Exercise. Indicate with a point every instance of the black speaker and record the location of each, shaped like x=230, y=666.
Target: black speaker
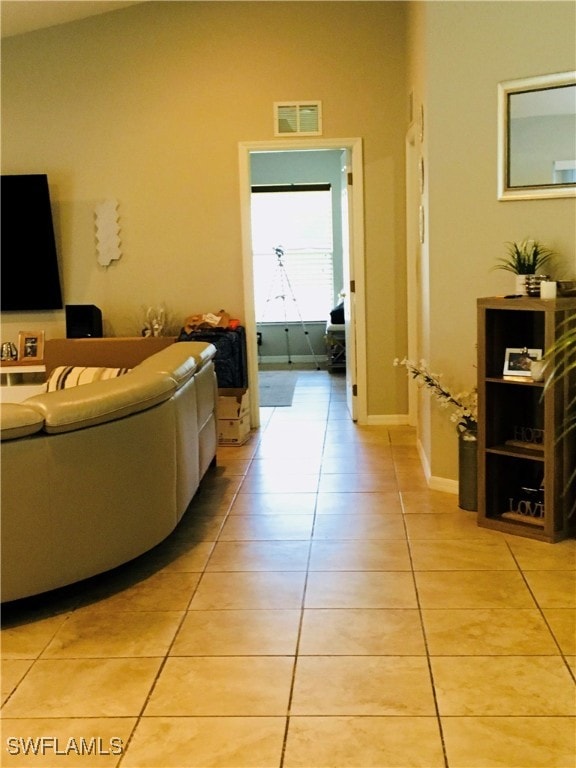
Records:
x=83, y=321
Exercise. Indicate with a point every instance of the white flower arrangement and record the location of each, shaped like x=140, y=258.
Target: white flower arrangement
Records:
x=464, y=405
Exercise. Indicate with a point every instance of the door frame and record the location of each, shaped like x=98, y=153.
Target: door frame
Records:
x=356, y=265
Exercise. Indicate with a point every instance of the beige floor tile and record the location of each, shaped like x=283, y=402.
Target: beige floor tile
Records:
x=83, y=688
x=536, y=556
x=410, y=480
x=358, y=483
x=206, y=742
x=362, y=693
x=354, y=526
x=12, y=672
x=233, y=467
x=487, y=632
x=380, y=462
x=373, y=436
x=160, y=591
x=285, y=437
x=84, y=742
x=404, y=453
x=472, y=589
x=296, y=448
x=222, y=686
x=226, y=453
x=267, y=527
x=360, y=589
x=281, y=483
x=432, y=502
x=238, y=633
x=208, y=503
x=510, y=686
x=185, y=556
x=212, y=501
x=274, y=467
x=250, y=590
x=361, y=631
x=369, y=742
x=215, y=483
x=402, y=436
x=259, y=556
x=359, y=503
x=354, y=555
x=553, y=589
x=362, y=685
x=445, y=526
x=202, y=523
x=562, y=622
x=406, y=460
x=102, y=634
x=509, y=742
x=347, y=446
x=28, y=639
x=461, y=555
x=349, y=432
x=274, y=504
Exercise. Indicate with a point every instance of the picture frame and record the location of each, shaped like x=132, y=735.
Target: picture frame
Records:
x=517, y=361
x=30, y=346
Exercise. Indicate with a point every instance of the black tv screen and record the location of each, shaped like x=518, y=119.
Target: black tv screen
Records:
x=30, y=278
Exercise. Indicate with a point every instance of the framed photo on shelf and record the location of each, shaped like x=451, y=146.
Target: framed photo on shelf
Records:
x=31, y=346
x=517, y=361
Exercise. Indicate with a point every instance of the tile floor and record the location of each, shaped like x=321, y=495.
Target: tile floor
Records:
x=318, y=607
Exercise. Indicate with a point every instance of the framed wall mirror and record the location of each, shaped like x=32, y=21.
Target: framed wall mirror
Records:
x=537, y=137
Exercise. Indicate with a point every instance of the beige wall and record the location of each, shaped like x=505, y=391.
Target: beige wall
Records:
x=147, y=105
x=464, y=49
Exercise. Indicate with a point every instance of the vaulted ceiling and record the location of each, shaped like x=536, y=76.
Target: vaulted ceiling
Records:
x=20, y=16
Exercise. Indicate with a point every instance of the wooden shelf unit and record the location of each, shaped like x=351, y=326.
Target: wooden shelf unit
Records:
x=513, y=411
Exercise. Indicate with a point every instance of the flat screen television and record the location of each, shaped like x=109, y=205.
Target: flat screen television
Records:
x=30, y=278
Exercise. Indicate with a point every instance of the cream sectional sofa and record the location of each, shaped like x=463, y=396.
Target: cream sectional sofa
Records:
x=95, y=475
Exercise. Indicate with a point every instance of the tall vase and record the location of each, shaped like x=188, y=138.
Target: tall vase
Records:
x=468, y=470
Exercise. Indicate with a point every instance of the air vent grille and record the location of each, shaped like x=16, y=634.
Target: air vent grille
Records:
x=303, y=118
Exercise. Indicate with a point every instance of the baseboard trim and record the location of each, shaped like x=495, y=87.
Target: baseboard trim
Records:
x=391, y=420
x=275, y=359
x=424, y=461
x=443, y=484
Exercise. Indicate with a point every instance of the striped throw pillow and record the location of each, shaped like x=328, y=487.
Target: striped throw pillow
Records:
x=66, y=376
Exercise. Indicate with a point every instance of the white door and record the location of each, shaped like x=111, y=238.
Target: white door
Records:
x=349, y=288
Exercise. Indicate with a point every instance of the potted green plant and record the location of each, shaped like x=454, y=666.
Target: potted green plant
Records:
x=527, y=257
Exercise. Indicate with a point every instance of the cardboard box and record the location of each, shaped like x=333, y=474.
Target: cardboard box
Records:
x=234, y=431
x=233, y=403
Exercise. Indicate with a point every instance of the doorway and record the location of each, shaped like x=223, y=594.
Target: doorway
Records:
x=350, y=170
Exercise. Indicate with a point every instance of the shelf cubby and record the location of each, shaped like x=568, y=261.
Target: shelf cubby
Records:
x=524, y=461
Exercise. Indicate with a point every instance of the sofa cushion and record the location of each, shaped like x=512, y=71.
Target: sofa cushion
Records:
x=101, y=401
x=66, y=376
x=19, y=420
